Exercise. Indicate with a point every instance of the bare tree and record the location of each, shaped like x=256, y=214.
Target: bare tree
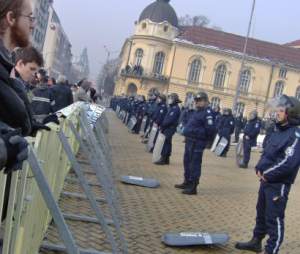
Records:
x=199, y=20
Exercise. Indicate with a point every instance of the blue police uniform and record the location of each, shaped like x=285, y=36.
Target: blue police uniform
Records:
x=279, y=165
x=252, y=130
x=199, y=129
x=159, y=115
x=226, y=129
x=139, y=116
x=168, y=128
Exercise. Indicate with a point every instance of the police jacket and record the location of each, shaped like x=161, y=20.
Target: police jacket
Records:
x=252, y=130
x=160, y=113
x=170, y=122
x=43, y=100
x=226, y=126
x=62, y=95
x=239, y=123
x=186, y=115
x=200, y=127
x=13, y=111
x=151, y=109
x=280, y=160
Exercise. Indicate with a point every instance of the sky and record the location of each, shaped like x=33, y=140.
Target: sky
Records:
x=98, y=23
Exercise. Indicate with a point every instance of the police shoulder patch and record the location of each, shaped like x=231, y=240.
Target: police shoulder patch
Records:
x=257, y=125
x=290, y=151
x=297, y=133
x=172, y=113
x=161, y=111
x=209, y=111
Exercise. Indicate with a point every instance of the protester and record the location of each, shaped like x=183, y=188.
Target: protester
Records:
x=82, y=92
x=62, y=94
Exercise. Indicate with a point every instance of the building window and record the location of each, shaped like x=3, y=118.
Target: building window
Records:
x=282, y=73
x=159, y=63
x=240, y=108
x=298, y=93
x=220, y=76
x=279, y=87
x=139, y=57
x=194, y=72
x=144, y=25
x=166, y=28
x=245, y=81
x=215, y=102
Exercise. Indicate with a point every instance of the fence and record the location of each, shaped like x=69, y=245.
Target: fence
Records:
x=34, y=191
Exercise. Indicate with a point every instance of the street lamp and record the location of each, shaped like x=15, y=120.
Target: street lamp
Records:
x=237, y=94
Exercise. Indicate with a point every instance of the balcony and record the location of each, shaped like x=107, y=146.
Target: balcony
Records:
x=138, y=73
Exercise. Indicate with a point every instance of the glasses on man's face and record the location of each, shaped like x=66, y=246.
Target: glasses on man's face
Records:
x=30, y=17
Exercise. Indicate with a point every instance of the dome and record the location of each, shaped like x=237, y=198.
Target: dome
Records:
x=160, y=11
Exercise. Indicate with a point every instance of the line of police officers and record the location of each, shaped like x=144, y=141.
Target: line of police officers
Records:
x=198, y=123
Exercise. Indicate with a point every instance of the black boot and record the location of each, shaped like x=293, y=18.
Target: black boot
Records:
x=191, y=189
x=253, y=245
x=182, y=186
x=168, y=160
x=162, y=161
x=243, y=165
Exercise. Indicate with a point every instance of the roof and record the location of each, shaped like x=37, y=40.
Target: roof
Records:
x=293, y=44
x=160, y=11
x=256, y=48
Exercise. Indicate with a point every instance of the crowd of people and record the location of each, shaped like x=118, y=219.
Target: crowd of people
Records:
x=201, y=125
x=29, y=98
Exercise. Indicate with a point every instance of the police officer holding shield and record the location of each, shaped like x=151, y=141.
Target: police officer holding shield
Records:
x=168, y=128
x=277, y=170
x=251, y=131
x=199, y=129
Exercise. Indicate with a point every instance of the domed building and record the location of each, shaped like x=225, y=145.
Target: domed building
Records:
x=163, y=55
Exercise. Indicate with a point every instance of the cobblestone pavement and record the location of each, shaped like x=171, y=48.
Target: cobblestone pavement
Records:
x=225, y=202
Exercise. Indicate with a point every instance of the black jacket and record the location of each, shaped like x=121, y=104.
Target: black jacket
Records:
x=43, y=100
x=13, y=110
x=63, y=96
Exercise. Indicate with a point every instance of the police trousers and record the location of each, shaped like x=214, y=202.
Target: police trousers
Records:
x=271, y=204
x=192, y=162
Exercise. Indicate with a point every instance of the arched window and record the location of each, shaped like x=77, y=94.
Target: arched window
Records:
x=245, y=81
x=139, y=53
x=220, y=76
x=240, y=108
x=278, y=89
x=215, y=102
x=298, y=93
x=159, y=63
x=194, y=72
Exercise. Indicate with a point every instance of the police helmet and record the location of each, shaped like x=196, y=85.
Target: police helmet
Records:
x=201, y=96
x=174, y=98
x=162, y=97
x=227, y=111
x=292, y=106
x=253, y=115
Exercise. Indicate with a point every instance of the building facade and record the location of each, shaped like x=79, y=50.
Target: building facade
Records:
x=41, y=10
x=57, y=49
x=164, y=56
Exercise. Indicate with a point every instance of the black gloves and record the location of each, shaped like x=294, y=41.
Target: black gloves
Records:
x=39, y=126
x=51, y=119
x=17, y=150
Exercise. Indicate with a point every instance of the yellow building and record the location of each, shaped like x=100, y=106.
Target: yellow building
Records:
x=164, y=56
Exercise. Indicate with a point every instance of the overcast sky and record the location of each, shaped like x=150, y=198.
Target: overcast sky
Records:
x=95, y=23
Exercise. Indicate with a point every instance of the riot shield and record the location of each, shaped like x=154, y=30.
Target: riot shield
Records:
x=140, y=181
x=152, y=136
x=240, y=153
x=194, y=238
x=221, y=146
x=160, y=141
x=132, y=123
x=215, y=143
x=144, y=121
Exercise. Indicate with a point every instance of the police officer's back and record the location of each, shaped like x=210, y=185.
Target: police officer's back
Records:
x=62, y=94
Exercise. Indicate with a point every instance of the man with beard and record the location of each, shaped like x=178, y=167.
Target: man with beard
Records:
x=16, y=23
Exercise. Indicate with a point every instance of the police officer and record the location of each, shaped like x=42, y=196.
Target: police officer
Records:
x=168, y=128
x=139, y=113
x=226, y=128
x=251, y=131
x=277, y=170
x=199, y=129
x=151, y=109
x=187, y=111
x=43, y=100
x=239, y=125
